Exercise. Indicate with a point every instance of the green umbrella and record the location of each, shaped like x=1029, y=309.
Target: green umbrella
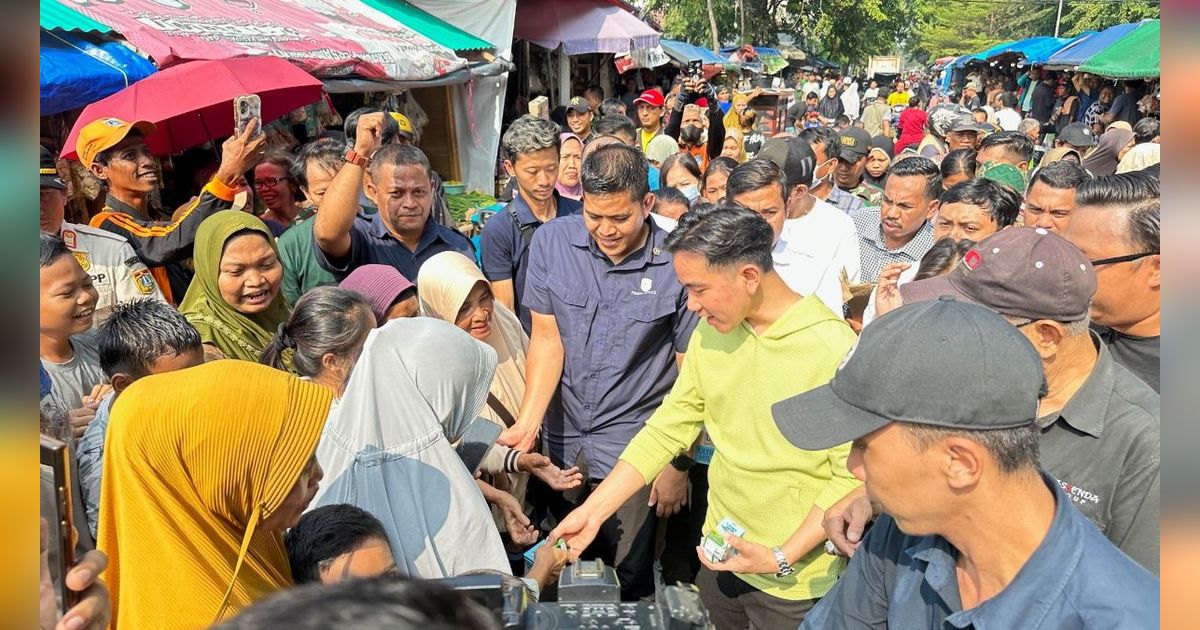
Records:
x=1134, y=56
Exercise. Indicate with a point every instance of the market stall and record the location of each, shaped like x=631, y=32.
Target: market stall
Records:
x=1134, y=56
x=1080, y=50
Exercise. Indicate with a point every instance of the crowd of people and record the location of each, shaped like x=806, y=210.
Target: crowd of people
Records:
x=909, y=345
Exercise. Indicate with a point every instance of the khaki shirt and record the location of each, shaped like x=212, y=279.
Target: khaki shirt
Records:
x=116, y=271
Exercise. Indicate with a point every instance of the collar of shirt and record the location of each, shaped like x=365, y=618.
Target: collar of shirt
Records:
x=1038, y=584
x=843, y=200
x=807, y=311
x=651, y=253
x=116, y=205
x=525, y=213
x=915, y=248
x=1088, y=408
x=380, y=231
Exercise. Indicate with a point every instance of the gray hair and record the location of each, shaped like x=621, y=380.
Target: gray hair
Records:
x=1015, y=450
x=1029, y=124
x=398, y=155
x=726, y=235
x=1072, y=329
x=325, y=320
x=529, y=133
x=326, y=152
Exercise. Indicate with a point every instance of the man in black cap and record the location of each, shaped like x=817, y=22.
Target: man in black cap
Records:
x=109, y=260
x=579, y=118
x=1078, y=136
x=852, y=165
x=963, y=133
x=975, y=534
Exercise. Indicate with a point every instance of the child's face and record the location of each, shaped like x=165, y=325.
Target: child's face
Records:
x=68, y=299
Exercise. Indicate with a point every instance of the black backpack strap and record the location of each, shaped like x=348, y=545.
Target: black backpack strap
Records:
x=526, y=230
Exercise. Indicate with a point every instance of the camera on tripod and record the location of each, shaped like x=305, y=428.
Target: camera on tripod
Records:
x=589, y=596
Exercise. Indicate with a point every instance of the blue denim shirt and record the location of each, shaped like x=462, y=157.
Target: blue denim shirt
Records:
x=1075, y=579
x=505, y=254
x=91, y=460
x=372, y=243
x=620, y=325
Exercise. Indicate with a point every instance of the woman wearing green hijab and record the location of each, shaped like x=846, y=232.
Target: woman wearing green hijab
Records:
x=234, y=299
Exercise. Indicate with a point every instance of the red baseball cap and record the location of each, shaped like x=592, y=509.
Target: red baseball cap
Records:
x=653, y=98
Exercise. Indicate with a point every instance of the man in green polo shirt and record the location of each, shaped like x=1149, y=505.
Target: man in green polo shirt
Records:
x=758, y=342
x=313, y=168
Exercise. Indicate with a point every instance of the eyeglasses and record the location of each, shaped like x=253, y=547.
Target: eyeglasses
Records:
x=269, y=182
x=1121, y=259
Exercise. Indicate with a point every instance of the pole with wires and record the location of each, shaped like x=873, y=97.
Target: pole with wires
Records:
x=1058, y=18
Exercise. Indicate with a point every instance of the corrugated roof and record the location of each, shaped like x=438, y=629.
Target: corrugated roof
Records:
x=56, y=16
x=434, y=28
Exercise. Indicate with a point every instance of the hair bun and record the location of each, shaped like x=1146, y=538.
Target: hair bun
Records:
x=284, y=337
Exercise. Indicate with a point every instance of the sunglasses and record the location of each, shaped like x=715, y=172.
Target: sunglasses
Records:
x=1121, y=259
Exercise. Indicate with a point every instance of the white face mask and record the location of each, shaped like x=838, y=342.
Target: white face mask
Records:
x=691, y=192
x=819, y=181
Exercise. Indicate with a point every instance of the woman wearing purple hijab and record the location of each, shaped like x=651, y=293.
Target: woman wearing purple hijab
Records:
x=390, y=294
x=570, y=163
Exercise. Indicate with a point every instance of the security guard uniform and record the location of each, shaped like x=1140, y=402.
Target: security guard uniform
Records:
x=116, y=271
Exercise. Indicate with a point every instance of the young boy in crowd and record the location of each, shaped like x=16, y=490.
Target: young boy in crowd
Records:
x=67, y=303
x=138, y=339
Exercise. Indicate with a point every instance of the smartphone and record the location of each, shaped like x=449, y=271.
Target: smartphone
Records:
x=56, y=457
x=246, y=108
x=696, y=70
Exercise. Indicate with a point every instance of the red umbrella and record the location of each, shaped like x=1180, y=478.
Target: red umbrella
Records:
x=192, y=103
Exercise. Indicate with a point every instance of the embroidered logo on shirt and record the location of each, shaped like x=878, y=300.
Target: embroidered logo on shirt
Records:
x=144, y=281
x=1077, y=494
x=647, y=287
x=69, y=238
x=83, y=260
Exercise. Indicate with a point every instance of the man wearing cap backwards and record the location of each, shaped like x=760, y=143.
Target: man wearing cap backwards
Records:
x=116, y=271
x=649, y=113
x=1116, y=223
x=1078, y=136
x=852, y=165
x=753, y=327
x=579, y=118
x=975, y=533
x=402, y=233
x=115, y=151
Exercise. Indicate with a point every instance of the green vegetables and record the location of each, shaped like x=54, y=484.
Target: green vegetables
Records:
x=461, y=205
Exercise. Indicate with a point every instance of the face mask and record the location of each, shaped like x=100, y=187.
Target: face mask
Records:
x=819, y=181
x=690, y=134
x=691, y=192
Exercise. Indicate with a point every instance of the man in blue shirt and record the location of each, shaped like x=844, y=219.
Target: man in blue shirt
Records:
x=402, y=233
x=610, y=324
x=531, y=144
x=976, y=536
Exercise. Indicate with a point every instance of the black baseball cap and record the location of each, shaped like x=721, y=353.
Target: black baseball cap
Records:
x=48, y=171
x=964, y=122
x=794, y=157
x=944, y=363
x=1078, y=134
x=855, y=143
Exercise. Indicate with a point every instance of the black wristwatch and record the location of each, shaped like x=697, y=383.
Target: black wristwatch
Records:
x=682, y=462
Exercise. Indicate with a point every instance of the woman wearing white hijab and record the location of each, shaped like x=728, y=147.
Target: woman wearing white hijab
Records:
x=386, y=447
x=850, y=99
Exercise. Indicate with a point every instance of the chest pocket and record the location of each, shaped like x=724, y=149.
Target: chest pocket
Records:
x=651, y=324
x=574, y=310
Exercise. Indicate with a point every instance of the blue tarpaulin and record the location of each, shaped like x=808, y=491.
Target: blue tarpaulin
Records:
x=683, y=52
x=980, y=56
x=1030, y=48
x=1039, y=56
x=76, y=72
x=1070, y=56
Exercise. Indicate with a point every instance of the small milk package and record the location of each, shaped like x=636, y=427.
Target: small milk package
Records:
x=714, y=545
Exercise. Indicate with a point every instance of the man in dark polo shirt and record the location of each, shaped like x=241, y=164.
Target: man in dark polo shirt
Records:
x=402, y=233
x=610, y=324
x=976, y=534
x=531, y=144
x=1116, y=224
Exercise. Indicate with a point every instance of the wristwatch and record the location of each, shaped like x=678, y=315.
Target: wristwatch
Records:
x=352, y=157
x=682, y=462
x=785, y=569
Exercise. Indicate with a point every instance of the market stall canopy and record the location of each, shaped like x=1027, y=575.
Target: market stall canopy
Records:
x=59, y=17
x=1077, y=52
x=683, y=52
x=76, y=71
x=1030, y=50
x=582, y=26
x=327, y=38
x=1134, y=56
x=982, y=55
x=439, y=31
x=192, y=103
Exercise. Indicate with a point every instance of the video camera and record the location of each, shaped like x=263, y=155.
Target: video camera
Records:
x=589, y=596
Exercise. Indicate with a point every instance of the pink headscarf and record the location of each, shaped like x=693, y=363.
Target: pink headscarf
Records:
x=571, y=192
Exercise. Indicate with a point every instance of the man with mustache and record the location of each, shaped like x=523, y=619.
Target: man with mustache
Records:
x=402, y=233
x=115, y=151
x=901, y=230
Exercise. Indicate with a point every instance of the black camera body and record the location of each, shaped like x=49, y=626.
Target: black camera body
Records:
x=588, y=597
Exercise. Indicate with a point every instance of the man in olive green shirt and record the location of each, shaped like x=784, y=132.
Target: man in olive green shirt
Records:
x=758, y=343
